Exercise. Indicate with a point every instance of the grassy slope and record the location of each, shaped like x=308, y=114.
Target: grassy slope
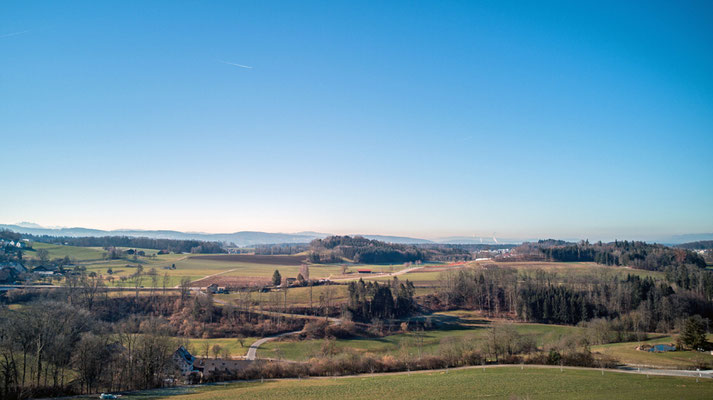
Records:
x=405, y=342
x=491, y=383
x=627, y=353
x=60, y=251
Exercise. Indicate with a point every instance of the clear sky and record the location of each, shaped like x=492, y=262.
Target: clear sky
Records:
x=529, y=119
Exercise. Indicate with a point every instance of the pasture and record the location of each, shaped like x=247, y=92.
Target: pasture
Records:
x=471, y=383
x=627, y=354
x=474, y=331
x=75, y=253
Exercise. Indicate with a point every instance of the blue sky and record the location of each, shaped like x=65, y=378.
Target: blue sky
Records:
x=529, y=119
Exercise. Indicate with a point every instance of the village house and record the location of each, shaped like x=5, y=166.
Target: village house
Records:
x=46, y=270
x=11, y=271
x=221, y=366
x=191, y=366
x=184, y=361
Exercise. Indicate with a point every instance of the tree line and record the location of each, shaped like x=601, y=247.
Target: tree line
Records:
x=643, y=304
x=172, y=245
x=641, y=255
x=335, y=249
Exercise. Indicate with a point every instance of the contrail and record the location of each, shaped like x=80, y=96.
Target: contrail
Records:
x=13, y=34
x=237, y=65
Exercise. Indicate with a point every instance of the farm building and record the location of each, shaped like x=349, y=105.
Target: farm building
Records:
x=364, y=271
x=9, y=272
x=215, y=289
x=184, y=361
x=217, y=366
x=192, y=367
x=45, y=270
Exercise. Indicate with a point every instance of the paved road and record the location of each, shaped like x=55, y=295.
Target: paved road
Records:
x=252, y=351
x=667, y=372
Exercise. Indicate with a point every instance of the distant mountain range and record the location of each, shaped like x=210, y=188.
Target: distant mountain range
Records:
x=251, y=238
x=244, y=238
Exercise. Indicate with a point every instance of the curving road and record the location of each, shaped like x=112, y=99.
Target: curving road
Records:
x=252, y=351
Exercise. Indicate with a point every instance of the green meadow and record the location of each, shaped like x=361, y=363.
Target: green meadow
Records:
x=472, y=383
x=411, y=343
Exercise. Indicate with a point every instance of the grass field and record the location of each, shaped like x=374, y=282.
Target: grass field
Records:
x=59, y=251
x=408, y=343
x=627, y=353
x=474, y=383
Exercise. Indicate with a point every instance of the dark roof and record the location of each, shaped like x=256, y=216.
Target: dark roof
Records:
x=185, y=355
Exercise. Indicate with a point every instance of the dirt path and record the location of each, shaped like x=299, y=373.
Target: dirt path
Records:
x=377, y=275
x=207, y=277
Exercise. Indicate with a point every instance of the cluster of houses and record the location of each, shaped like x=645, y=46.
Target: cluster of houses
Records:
x=194, y=369
x=10, y=271
x=20, y=244
x=10, y=267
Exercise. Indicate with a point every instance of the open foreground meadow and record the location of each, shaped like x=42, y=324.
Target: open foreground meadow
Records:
x=505, y=382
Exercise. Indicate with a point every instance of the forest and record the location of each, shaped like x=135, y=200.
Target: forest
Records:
x=640, y=255
x=335, y=249
x=639, y=304
x=699, y=245
x=79, y=339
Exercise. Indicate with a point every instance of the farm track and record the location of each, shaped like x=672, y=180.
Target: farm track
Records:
x=378, y=275
x=211, y=276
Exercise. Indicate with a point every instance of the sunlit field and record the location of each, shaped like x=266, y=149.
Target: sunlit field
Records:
x=531, y=382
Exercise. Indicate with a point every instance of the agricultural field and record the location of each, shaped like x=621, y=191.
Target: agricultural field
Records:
x=251, y=270
x=296, y=296
x=429, y=274
x=472, y=383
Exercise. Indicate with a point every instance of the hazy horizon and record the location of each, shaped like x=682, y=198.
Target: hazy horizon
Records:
x=482, y=237
x=423, y=120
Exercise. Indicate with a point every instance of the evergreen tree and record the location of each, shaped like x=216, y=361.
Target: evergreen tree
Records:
x=694, y=333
